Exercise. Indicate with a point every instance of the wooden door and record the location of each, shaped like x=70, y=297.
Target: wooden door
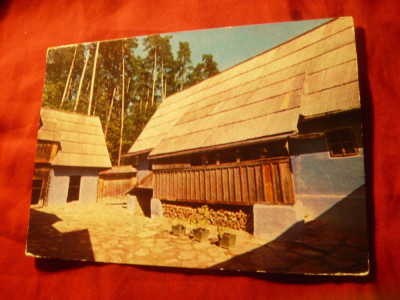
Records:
x=278, y=182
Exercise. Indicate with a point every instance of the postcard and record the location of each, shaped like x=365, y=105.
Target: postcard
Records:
x=230, y=149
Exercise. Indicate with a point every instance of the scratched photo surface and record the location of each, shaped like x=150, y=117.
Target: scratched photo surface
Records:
x=236, y=148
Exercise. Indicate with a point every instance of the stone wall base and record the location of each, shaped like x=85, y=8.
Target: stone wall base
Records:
x=283, y=222
x=133, y=206
x=316, y=205
x=156, y=208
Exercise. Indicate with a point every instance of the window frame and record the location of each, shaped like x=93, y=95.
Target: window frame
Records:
x=342, y=142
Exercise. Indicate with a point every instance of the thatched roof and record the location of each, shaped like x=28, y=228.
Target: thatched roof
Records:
x=311, y=75
x=81, y=139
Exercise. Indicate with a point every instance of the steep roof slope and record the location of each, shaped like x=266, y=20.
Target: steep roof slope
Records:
x=313, y=74
x=81, y=139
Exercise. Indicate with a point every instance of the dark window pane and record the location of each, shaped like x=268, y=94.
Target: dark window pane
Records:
x=36, y=190
x=336, y=149
x=342, y=142
x=348, y=148
x=73, y=189
x=37, y=183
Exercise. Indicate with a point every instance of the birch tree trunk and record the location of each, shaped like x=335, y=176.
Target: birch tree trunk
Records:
x=183, y=76
x=165, y=88
x=162, y=79
x=69, y=89
x=147, y=99
x=109, y=112
x=122, y=107
x=154, y=75
x=93, y=77
x=69, y=76
x=81, y=81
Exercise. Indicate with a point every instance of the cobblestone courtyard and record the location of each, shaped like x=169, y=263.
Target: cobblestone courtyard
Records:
x=108, y=233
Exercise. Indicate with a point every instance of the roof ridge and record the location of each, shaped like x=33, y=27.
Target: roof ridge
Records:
x=68, y=112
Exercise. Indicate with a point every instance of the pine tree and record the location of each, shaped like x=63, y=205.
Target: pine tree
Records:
x=124, y=100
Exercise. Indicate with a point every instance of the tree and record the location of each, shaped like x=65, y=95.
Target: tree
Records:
x=68, y=83
x=93, y=77
x=81, y=81
x=122, y=104
x=206, y=69
x=125, y=88
x=183, y=60
x=159, y=50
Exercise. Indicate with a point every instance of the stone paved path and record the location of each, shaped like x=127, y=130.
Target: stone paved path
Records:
x=108, y=233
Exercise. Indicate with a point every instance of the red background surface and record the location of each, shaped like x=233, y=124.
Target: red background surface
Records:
x=28, y=28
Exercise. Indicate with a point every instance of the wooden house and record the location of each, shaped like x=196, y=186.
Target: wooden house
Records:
x=71, y=151
x=280, y=132
x=114, y=183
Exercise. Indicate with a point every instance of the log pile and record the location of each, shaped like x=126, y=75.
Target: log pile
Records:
x=238, y=220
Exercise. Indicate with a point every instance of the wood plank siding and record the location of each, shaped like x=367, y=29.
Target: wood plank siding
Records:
x=40, y=184
x=45, y=151
x=114, y=187
x=261, y=181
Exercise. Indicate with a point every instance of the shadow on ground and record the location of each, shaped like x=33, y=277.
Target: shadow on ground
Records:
x=335, y=242
x=47, y=242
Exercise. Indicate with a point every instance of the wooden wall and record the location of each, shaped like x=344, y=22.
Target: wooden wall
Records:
x=262, y=181
x=39, y=186
x=114, y=187
x=45, y=151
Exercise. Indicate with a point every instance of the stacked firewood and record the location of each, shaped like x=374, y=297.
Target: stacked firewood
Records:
x=238, y=220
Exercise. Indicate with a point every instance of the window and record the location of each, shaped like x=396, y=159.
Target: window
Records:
x=341, y=142
x=74, y=187
x=36, y=190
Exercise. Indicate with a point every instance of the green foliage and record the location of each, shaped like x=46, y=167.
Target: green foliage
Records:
x=207, y=68
x=201, y=219
x=159, y=66
x=183, y=61
x=224, y=225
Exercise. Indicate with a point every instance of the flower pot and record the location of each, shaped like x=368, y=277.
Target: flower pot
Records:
x=228, y=240
x=178, y=229
x=201, y=235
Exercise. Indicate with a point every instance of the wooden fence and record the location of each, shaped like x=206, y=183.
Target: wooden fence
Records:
x=261, y=181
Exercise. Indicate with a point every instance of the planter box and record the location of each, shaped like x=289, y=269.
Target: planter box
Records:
x=201, y=235
x=178, y=230
x=228, y=240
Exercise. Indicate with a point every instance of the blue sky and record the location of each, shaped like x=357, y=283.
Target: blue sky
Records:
x=233, y=45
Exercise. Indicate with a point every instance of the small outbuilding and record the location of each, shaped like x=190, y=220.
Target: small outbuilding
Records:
x=114, y=183
x=71, y=151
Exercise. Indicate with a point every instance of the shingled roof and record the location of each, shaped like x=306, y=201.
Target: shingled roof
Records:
x=115, y=170
x=313, y=74
x=81, y=139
